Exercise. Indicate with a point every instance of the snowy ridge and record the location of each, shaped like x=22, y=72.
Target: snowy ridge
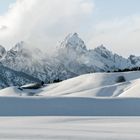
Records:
x=71, y=59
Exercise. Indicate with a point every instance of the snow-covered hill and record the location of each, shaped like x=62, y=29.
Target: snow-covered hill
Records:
x=88, y=85
x=95, y=85
x=86, y=95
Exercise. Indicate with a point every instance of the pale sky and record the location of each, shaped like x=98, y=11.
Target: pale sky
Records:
x=45, y=23
x=4, y=5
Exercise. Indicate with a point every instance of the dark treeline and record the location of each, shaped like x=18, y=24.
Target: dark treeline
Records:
x=126, y=70
x=54, y=81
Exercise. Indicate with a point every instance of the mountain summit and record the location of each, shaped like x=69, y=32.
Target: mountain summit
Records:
x=72, y=59
x=2, y=51
x=73, y=41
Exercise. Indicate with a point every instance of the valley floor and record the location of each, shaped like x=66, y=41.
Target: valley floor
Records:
x=69, y=128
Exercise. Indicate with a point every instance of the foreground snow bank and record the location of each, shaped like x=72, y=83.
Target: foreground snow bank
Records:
x=69, y=106
x=74, y=128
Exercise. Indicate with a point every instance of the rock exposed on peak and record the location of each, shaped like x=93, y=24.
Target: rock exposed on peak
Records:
x=18, y=47
x=135, y=60
x=103, y=51
x=71, y=59
x=73, y=41
x=2, y=51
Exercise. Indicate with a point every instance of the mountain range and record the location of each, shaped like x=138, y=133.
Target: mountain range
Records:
x=24, y=64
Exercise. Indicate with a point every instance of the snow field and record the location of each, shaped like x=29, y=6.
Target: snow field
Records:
x=66, y=128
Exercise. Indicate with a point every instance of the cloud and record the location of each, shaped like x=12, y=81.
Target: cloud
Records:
x=44, y=23
x=87, y=7
x=119, y=35
x=3, y=27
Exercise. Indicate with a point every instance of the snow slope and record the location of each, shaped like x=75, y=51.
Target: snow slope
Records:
x=88, y=85
x=95, y=94
x=92, y=85
x=133, y=90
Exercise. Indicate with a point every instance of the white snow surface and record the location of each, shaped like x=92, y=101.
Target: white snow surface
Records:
x=96, y=94
x=88, y=85
x=69, y=128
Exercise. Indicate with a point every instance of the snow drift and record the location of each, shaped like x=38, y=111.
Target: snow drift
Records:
x=87, y=95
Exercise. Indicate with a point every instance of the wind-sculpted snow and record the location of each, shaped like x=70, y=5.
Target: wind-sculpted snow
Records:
x=88, y=85
x=88, y=95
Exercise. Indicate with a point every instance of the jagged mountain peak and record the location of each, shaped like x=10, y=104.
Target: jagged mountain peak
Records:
x=1, y=47
x=101, y=48
x=71, y=59
x=132, y=56
x=72, y=36
x=19, y=46
x=73, y=41
x=135, y=60
x=2, y=51
x=26, y=49
x=103, y=51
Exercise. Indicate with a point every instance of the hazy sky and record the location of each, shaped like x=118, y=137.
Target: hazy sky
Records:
x=45, y=23
x=4, y=5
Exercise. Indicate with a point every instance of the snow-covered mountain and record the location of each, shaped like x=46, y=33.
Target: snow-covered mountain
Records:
x=71, y=59
x=9, y=77
x=34, y=62
x=76, y=57
x=135, y=60
x=111, y=61
x=2, y=51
